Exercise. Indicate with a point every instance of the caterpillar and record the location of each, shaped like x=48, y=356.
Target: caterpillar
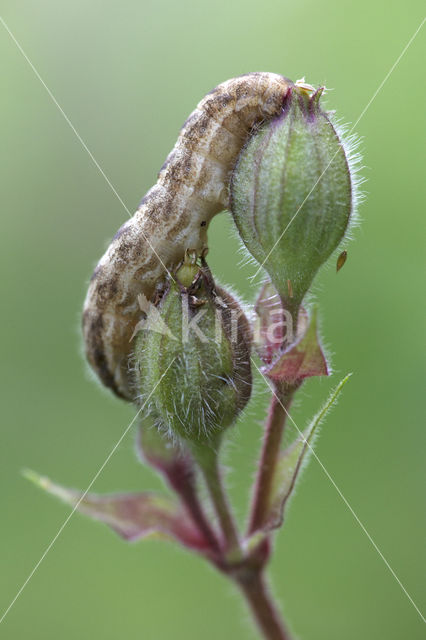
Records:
x=173, y=217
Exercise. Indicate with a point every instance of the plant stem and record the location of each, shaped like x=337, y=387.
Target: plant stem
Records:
x=207, y=458
x=190, y=499
x=269, y=457
x=262, y=607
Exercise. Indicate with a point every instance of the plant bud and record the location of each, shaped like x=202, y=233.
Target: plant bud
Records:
x=195, y=376
x=292, y=194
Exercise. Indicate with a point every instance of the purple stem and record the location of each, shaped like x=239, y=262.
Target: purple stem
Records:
x=259, y=600
x=269, y=457
x=182, y=482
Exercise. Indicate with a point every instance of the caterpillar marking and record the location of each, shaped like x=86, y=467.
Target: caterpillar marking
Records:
x=173, y=217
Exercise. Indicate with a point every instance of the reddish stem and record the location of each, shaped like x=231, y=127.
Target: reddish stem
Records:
x=181, y=478
x=257, y=595
x=189, y=497
x=277, y=415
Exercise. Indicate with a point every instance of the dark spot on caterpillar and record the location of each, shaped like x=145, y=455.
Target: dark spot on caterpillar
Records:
x=196, y=129
x=220, y=101
x=180, y=169
x=203, y=223
x=165, y=210
x=241, y=92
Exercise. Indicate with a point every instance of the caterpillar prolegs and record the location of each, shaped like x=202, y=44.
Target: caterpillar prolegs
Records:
x=173, y=217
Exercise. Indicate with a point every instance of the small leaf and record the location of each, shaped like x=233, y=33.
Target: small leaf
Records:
x=291, y=462
x=302, y=359
x=133, y=516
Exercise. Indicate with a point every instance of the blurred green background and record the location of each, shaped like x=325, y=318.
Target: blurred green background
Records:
x=127, y=74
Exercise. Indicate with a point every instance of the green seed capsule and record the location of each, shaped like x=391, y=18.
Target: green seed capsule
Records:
x=292, y=194
x=196, y=376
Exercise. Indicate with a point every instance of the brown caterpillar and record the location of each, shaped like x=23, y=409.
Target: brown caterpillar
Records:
x=173, y=216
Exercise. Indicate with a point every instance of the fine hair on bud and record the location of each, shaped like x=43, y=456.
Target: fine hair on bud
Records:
x=192, y=366
x=294, y=192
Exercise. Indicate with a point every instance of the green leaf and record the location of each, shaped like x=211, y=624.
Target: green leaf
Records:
x=133, y=515
x=291, y=462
